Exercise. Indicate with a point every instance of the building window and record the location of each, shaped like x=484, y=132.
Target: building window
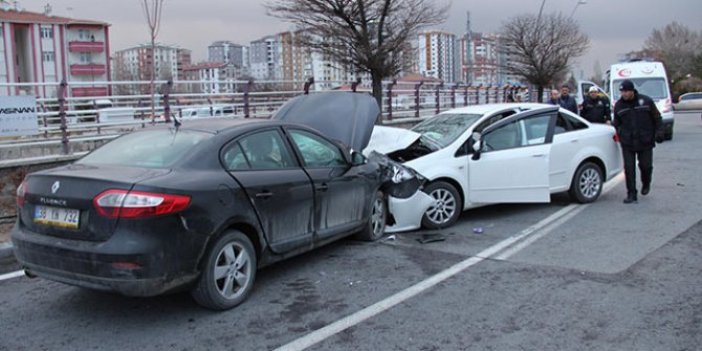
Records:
x=85, y=57
x=47, y=33
x=84, y=34
x=48, y=56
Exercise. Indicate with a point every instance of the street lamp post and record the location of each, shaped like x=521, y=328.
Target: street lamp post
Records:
x=580, y=2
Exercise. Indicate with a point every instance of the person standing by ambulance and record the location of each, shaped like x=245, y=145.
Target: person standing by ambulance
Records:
x=639, y=125
x=595, y=107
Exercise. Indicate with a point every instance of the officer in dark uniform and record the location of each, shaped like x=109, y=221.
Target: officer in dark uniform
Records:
x=595, y=108
x=639, y=126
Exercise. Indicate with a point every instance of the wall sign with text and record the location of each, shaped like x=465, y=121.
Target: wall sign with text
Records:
x=18, y=115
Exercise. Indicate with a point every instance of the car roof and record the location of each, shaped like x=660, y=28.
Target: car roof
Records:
x=491, y=108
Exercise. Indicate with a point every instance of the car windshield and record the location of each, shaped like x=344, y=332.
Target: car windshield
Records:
x=151, y=149
x=655, y=88
x=443, y=129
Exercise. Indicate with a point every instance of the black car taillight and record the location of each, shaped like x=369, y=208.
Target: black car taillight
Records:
x=21, y=191
x=117, y=203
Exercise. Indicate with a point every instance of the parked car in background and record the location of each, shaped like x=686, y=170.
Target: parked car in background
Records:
x=502, y=153
x=208, y=111
x=689, y=102
x=200, y=206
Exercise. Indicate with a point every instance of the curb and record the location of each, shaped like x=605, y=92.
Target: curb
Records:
x=5, y=249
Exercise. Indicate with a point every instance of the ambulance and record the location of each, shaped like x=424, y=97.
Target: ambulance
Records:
x=650, y=79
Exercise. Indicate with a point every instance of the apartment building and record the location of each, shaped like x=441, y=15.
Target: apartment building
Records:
x=438, y=55
x=136, y=64
x=213, y=77
x=226, y=51
x=43, y=48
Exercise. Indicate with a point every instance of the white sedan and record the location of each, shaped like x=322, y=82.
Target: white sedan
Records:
x=498, y=153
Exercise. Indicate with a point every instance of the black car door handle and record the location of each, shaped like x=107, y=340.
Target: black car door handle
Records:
x=322, y=187
x=264, y=195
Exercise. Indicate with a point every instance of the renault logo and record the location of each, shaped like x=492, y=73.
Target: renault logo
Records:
x=55, y=187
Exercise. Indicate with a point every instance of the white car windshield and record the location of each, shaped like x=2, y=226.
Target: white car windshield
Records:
x=443, y=129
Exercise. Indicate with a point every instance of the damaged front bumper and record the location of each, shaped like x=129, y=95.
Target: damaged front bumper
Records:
x=407, y=203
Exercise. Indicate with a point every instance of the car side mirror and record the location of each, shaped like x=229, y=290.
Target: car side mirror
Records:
x=477, y=145
x=357, y=158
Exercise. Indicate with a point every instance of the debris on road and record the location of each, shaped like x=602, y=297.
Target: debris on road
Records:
x=430, y=238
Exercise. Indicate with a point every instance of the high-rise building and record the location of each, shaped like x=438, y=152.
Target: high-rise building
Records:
x=437, y=55
x=280, y=57
x=137, y=63
x=228, y=52
x=482, y=60
x=43, y=48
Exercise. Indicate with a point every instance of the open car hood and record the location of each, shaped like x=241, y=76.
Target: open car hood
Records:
x=385, y=140
x=344, y=116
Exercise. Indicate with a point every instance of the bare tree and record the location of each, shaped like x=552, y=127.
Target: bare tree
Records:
x=541, y=49
x=370, y=35
x=152, y=11
x=677, y=46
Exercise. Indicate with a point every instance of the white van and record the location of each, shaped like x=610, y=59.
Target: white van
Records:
x=650, y=79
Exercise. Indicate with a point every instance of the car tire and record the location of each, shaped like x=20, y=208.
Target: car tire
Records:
x=587, y=183
x=228, y=272
x=668, y=136
x=447, y=206
x=375, y=228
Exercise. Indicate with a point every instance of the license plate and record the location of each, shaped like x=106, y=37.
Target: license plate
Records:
x=56, y=216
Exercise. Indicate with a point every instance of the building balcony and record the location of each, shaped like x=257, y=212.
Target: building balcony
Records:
x=88, y=69
x=86, y=46
x=89, y=91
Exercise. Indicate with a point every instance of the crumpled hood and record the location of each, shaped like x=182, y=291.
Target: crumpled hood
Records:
x=344, y=116
x=385, y=140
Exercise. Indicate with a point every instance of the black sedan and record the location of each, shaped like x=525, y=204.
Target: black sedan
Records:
x=201, y=206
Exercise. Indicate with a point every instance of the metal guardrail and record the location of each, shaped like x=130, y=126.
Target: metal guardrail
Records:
x=64, y=119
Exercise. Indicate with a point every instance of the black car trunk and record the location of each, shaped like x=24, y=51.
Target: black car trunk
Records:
x=59, y=202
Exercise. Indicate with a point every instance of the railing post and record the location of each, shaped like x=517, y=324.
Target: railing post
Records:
x=355, y=84
x=166, y=92
x=416, y=98
x=477, y=94
x=97, y=115
x=46, y=123
x=309, y=82
x=62, y=115
x=247, y=87
x=394, y=81
x=453, y=95
x=209, y=101
x=437, y=97
x=504, y=94
x=465, y=96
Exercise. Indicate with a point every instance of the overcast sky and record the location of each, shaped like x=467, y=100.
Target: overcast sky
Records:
x=614, y=26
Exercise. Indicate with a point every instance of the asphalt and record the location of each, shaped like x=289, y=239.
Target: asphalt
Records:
x=5, y=244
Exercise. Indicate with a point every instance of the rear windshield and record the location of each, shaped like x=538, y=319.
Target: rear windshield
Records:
x=655, y=88
x=152, y=149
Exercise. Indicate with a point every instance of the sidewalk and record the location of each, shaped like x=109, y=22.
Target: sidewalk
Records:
x=5, y=245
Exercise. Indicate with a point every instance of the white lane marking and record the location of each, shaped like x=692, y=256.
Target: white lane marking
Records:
x=11, y=275
x=351, y=320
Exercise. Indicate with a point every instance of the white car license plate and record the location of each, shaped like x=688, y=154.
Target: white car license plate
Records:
x=56, y=216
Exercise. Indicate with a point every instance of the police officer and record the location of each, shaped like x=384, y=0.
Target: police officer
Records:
x=639, y=125
x=595, y=108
